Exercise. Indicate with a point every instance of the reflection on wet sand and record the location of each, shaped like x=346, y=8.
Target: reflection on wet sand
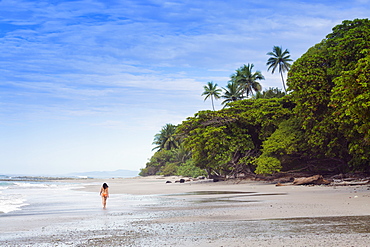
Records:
x=232, y=196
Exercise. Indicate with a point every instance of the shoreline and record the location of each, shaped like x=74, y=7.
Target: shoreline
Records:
x=151, y=212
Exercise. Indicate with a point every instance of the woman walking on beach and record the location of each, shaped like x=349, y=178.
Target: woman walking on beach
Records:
x=104, y=194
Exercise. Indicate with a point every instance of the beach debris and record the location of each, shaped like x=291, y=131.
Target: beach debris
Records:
x=316, y=179
x=168, y=182
x=319, y=180
x=216, y=178
x=349, y=183
x=280, y=184
x=180, y=181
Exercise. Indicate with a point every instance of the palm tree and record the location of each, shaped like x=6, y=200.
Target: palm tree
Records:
x=182, y=154
x=279, y=59
x=166, y=138
x=232, y=92
x=211, y=91
x=247, y=79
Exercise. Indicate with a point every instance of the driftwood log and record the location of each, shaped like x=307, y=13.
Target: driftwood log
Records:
x=349, y=183
x=317, y=179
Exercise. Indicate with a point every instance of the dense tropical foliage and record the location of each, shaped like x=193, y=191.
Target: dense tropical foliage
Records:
x=321, y=125
x=330, y=86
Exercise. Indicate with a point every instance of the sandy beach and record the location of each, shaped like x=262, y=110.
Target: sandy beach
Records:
x=151, y=212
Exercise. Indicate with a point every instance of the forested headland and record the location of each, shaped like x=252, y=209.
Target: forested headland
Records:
x=320, y=124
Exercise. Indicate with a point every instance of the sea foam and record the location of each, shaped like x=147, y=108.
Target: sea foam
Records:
x=10, y=201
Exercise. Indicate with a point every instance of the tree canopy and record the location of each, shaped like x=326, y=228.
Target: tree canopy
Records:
x=329, y=85
x=321, y=125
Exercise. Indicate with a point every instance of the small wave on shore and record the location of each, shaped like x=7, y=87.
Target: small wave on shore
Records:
x=10, y=201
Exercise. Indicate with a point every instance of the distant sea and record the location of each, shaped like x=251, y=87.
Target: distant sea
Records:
x=106, y=174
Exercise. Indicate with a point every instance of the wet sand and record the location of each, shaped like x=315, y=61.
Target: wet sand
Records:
x=149, y=212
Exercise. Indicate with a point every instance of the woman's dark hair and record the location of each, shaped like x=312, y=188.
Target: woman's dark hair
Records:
x=105, y=186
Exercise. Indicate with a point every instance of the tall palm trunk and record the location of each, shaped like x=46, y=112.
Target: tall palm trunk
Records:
x=282, y=78
x=213, y=106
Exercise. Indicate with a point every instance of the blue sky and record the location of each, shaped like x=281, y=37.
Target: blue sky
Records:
x=85, y=85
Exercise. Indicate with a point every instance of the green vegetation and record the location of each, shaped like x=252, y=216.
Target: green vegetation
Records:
x=166, y=139
x=321, y=125
x=270, y=93
x=330, y=86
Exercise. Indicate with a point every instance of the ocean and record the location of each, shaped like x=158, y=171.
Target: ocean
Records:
x=33, y=194
x=10, y=200
x=39, y=198
x=33, y=206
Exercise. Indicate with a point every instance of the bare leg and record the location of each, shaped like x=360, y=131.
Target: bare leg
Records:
x=104, y=201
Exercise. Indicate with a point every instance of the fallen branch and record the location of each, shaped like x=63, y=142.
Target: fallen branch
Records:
x=344, y=183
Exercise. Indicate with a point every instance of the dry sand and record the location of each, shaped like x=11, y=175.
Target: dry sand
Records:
x=228, y=213
x=267, y=200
